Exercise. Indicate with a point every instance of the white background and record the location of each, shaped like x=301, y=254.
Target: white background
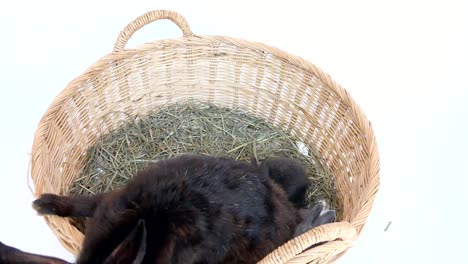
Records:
x=404, y=62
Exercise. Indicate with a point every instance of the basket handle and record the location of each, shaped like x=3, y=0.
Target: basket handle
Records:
x=147, y=18
x=328, y=232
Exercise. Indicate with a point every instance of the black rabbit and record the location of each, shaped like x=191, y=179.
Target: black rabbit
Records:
x=188, y=209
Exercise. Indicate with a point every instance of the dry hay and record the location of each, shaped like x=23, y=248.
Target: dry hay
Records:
x=195, y=128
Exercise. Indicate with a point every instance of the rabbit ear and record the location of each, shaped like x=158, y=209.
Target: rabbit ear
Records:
x=309, y=215
x=132, y=249
x=313, y=217
x=253, y=162
x=325, y=217
x=12, y=255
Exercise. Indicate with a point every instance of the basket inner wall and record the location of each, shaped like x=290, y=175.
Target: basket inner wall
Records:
x=251, y=80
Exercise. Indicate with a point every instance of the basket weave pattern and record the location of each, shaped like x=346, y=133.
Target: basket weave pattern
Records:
x=286, y=90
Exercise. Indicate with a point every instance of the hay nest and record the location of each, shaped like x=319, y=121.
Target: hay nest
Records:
x=197, y=128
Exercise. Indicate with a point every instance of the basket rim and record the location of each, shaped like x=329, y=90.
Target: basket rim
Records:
x=301, y=63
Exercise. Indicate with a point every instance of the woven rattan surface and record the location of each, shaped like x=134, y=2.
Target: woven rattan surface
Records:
x=264, y=81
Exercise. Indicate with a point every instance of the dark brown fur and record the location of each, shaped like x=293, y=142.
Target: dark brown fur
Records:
x=12, y=255
x=189, y=209
x=197, y=209
x=289, y=174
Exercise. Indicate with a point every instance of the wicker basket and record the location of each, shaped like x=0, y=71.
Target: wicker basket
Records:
x=267, y=82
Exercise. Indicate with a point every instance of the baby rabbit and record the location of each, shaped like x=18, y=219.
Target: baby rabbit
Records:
x=188, y=209
x=196, y=209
